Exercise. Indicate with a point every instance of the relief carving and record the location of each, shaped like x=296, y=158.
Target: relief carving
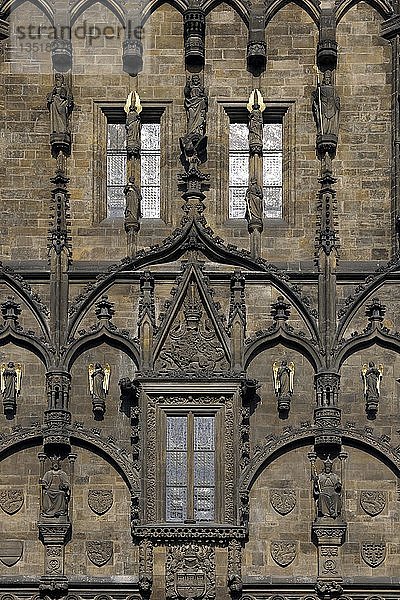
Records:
x=100, y=501
x=373, y=554
x=99, y=552
x=283, y=553
x=283, y=501
x=190, y=572
x=11, y=500
x=10, y=552
x=373, y=501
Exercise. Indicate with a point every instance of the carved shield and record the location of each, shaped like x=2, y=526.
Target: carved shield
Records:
x=283, y=553
x=99, y=552
x=283, y=500
x=373, y=501
x=100, y=501
x=190, y=585
x=10, y=552
x=373, y=553
x=11, y=500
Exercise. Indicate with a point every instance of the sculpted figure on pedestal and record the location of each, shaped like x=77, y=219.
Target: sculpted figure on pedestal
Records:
x=56, y=491
x=327, y=489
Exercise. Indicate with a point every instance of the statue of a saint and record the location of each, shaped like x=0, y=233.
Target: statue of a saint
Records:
x=372, y=377
x=99, y=381
x=254, y=203
x=10, y=376
x=56, y=491
x=196, y=105
x=60, y=104
x=133, y=202
x=326, y=107
x=327, y=489
x=283, y=378
x=255, y=108
x=133, y=109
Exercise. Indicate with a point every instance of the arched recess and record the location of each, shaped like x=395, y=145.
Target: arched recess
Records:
x=24, y=293
x=377, y=336
x=115, y=7
x=383, y=7
x=153, y=5
x=311, y=7
x=238, y=6
x=38, y=348
x=296, y=439
x=9, y=5
x=305, y=347
x=90, y=341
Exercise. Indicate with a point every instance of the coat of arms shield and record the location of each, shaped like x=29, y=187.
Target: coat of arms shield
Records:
x=190, y=585
x=99, y=552
x=10, y=552
x=100, y=501
x=283, y=553
x=11, y=500
x=283, y=500
x=373, y=501
x=373, y=553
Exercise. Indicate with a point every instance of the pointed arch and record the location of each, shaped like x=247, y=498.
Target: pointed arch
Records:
x=241, y=8
x=113, y=5
x=311, y=7
x=376, y=336
x=153, y=5
x=383, y=7
x=43, y=5
x=32, y=344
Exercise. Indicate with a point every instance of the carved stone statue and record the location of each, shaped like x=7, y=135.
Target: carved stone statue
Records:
x=372, y=377
x=327, y=489
x=133, y=203
x=256, y=107
x=56, y=491
x=283, y=383
x=10, y=385
x=133, y=125
x=60, y=104
x=99, y=379
x=254, y=204
x=326, y=107
x=196, y=105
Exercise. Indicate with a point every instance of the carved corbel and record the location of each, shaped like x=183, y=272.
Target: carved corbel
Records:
x=327, y=45
x=132, y=48
x=61, y=46
x=194, y=19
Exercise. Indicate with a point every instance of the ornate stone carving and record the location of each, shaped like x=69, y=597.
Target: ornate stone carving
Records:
x=372, y=501
x=132, y=57
x=283, y=375
x=373, y=554
x=372, y=377
x=328, y=590
x=327, y=54
x=328, y=560
x=11, y=500
x=99, y=552
x=283, y=500
x=191, y=345
x=194, y=143
x=99, y=381
x=10, y=382
x=60, y=104
x=234, y=578
x=190, y=572
x=283, y=553
x=100, y=501
x=11, y=552
x=256, y=45
x=58, y=384
x=61, y=55
x=54, y=560
x=56, y=492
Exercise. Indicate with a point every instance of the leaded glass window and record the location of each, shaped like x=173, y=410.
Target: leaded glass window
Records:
x=239, y=169
x=149, y=169
x=190, y=468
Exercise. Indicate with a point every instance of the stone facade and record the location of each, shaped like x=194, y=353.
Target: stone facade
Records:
x=282, y=332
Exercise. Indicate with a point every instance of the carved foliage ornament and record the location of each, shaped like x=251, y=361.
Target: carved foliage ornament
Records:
x=11, y=500
x=10, y=552
x=99, y=552
x=100, y=501
x=283, y=501
x=373, y=501
x=373, y=553
x=283, y=553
